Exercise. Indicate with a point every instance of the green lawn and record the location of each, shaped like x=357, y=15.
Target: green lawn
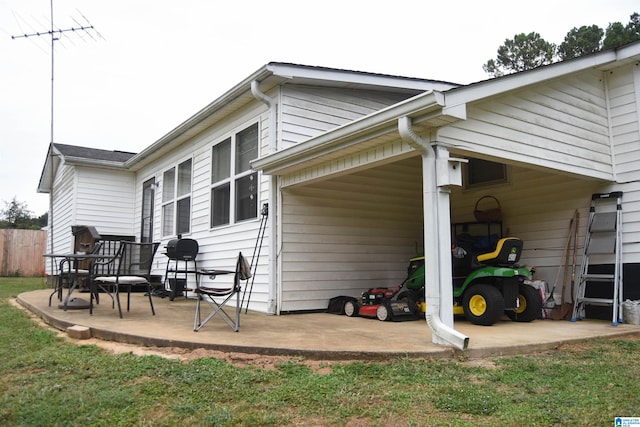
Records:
x=46, y=381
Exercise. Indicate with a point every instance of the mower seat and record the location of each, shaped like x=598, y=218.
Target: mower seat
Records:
x=507, y=253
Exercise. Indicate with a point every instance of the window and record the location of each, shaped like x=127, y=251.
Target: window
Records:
x=176, y=199
x=478, y=173
x=234, y=187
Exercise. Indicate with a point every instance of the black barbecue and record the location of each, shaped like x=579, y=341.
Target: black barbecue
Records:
x=180, y=252
x=182, y=249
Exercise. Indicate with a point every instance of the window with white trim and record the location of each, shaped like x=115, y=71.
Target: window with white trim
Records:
x=234, y=186
x=176, y=199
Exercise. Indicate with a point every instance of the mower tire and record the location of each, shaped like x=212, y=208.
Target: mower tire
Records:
x=483, y=304
x=351, y=308
x=529, y=304
x=384, y=313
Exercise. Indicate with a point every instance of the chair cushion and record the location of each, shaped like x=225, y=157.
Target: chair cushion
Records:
x=124, y=280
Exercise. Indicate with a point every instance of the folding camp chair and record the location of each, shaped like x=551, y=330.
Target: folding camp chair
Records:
x=210, y=293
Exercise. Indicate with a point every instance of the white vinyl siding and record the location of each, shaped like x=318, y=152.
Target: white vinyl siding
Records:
x=64, y=214
x=624, y=97
x=624, y=103
x=105, y=199
x=309, y=111
x=365, y=156
x=94, y=197
x=559, y=124
x=349, y=234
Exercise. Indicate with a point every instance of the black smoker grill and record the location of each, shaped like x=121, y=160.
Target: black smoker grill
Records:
x=182, y=249
x=180, y=253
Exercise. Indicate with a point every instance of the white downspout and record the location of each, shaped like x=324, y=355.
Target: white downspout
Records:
x=437, y=244
x=272, y=198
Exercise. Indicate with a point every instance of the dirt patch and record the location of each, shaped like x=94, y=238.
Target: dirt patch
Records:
x=186, y=355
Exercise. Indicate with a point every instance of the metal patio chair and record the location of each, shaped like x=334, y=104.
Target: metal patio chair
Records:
x=74, y=269
x=131, y=266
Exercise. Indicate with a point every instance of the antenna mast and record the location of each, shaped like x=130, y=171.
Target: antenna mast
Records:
x=55, y=36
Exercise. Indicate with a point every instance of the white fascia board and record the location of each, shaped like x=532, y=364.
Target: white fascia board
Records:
x=424, y=104
x=292, y=71
x=627, y=52
x=44, y=184
x=104, y=164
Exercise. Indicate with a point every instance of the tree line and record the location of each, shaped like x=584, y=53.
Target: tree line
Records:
x=527, y=51
x=16, y=215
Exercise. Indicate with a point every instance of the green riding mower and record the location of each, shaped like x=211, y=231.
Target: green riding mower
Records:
x=485, y=286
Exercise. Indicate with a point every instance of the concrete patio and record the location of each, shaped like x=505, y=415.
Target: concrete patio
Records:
x=312, y=335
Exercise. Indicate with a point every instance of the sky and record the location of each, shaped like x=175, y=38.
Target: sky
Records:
x=149, y=65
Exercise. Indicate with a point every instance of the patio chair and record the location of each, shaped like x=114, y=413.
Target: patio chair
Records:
x=211, y=295
x=131, y=266
x=72, y=272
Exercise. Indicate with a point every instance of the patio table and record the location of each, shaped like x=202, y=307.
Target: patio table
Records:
x=72, y=259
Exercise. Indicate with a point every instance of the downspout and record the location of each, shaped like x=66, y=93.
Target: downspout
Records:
x=272, y=198
x=437, y=244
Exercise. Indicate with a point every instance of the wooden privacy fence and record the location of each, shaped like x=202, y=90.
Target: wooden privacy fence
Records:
x=21, y=252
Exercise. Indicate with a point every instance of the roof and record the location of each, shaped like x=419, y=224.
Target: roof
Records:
x=95, y=154
x=430, y=109
x=76, y=155
x=435, y=103
x=268, y=77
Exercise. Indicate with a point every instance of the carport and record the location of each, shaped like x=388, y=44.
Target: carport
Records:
x=356, y=202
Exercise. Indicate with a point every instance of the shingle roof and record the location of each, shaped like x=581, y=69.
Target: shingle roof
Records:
x=93, y=153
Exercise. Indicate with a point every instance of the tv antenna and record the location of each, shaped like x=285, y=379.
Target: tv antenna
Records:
x=54, y=33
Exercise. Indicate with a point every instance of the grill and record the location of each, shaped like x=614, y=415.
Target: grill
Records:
x=182, y=249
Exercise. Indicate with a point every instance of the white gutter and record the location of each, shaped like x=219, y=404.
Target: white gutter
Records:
x=437, y=243
x=272, y=198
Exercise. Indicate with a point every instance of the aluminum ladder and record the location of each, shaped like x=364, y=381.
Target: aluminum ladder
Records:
x=603, y=241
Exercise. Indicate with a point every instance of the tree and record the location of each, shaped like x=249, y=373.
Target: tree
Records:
x=523, y=52
x=615, y=36
x=618, y=34
x=581, y=41
x=16, y=215
x=527, y=51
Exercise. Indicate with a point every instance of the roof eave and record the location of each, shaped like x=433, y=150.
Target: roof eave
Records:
x=282, y=72
x=103, y=164
x=420, y=106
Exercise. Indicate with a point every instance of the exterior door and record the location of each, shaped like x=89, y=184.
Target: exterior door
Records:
x=148, y=197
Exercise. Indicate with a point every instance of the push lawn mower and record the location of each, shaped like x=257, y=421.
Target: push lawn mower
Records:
x=401, y=302
x=484, y=287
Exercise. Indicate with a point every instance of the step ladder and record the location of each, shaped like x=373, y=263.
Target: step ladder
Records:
x=603, y=241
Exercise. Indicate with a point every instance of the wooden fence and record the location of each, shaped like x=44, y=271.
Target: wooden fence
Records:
x=21, y=252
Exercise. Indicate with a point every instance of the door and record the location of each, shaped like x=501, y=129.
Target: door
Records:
x=148, y=197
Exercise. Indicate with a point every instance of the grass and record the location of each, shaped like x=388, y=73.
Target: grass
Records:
x=46, y=380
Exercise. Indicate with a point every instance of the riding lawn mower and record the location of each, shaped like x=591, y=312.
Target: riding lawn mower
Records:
x=485, y=286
